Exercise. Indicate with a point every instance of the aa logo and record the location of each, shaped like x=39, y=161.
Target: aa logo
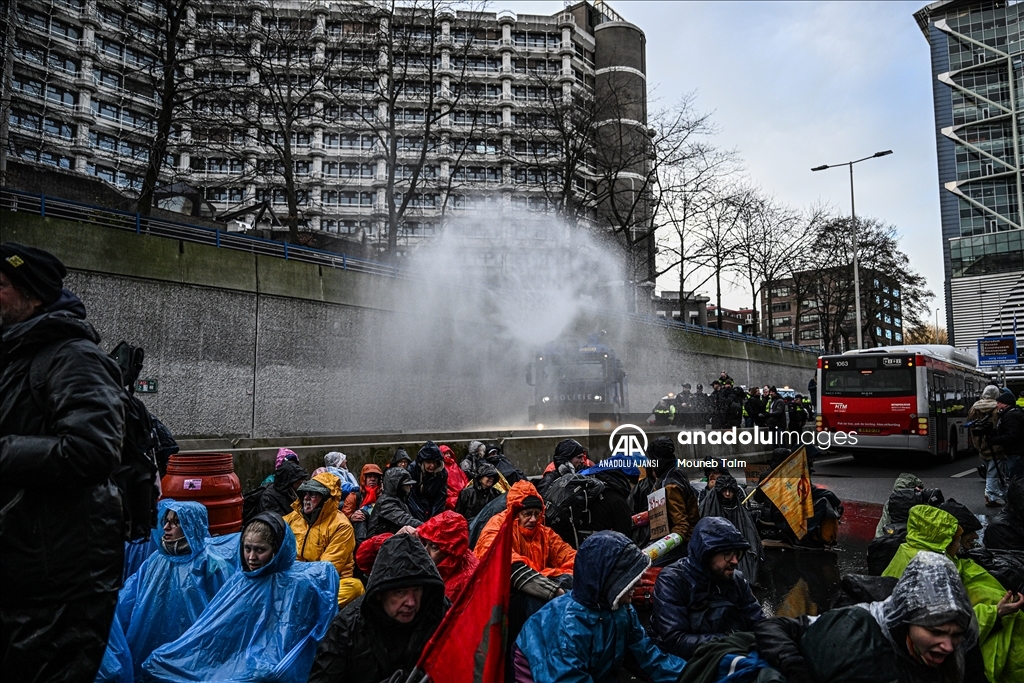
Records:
x=628, y=443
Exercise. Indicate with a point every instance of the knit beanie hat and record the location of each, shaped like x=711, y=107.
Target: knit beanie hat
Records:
x=35, y=272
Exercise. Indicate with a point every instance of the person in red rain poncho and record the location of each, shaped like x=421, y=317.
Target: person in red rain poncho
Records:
x=457, y=479
x=446, y=538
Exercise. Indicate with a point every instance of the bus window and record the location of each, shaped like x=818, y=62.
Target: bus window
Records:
x=868, y=376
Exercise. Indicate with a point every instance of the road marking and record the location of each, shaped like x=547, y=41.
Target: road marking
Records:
x=825, y=462
x=964, y=474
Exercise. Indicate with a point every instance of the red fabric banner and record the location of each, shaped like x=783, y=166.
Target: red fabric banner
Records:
x=469, y=644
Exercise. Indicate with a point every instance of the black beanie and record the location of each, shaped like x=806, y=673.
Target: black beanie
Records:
x=533, y=503
x=662, y=450
x=35, y=272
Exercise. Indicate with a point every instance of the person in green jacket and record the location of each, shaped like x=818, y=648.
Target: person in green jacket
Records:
x=998, y=611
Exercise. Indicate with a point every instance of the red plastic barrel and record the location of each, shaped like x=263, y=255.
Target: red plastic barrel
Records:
x=210, y=479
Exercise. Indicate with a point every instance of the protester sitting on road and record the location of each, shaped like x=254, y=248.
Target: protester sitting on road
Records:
x=680, y=498
x=337, y=464
x=1006, y=530
x=612, y=510
x=725, y=500
x=587, y=634
x=711, y=475
x=391, y=511
x=542, y=563
x=174, y=585
x=457, y=479
x=430, y=490
x=903, y=482
x=1010, y=434
x=968, y=521
x=264, y=624
x=702, y=597
x=358, y=503
x=510, y=474
x=384, y=631
x=1000, y=621
x=282, y=455
x=446, y=538
x=366, y=553
x=278, y=495
x=400, y=459
x=568, y=458
x=324, y=534
x=482, y=491
x=474, y=457
x=920, y=634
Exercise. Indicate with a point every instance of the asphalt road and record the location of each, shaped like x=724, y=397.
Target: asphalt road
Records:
x=871, y=480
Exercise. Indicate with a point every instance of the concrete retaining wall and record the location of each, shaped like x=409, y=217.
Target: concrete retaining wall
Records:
x=251, y=346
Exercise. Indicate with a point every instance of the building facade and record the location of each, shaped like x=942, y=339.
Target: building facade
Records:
x=815, y=309
x=352, y=117
x=978, y=85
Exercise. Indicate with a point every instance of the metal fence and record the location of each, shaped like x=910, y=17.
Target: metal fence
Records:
x=53, y=207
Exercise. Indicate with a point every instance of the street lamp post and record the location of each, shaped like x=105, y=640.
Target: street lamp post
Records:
x=853, y=216
x=936, y=325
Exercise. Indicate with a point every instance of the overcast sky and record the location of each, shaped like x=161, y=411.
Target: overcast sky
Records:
x=794, y=85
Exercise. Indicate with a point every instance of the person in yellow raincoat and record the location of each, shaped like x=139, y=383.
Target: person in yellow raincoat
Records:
x=998, y=611
x=323, y=533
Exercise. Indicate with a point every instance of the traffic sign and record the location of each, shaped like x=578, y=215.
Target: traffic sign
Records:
x=996, y=351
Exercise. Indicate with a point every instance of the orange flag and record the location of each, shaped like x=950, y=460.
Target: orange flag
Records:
x=469, y=644
x=789, y=488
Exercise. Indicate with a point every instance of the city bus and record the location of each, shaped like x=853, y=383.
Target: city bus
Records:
x=899, y=398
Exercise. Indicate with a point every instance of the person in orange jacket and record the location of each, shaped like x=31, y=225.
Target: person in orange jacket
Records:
x=323, y=533
x=542, y=562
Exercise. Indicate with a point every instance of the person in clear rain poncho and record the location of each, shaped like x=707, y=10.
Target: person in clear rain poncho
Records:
x=264, y=624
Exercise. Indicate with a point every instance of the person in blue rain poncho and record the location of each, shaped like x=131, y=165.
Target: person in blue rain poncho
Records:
x=175, y=584
x=586, y=634
x=264, y=624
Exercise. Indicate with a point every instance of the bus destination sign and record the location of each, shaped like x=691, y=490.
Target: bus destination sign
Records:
x=996, y=351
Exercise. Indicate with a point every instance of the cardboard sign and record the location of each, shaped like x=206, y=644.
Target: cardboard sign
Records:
x=754, y=472
x=657, y=508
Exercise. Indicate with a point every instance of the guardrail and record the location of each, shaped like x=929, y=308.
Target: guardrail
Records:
x=53, y=207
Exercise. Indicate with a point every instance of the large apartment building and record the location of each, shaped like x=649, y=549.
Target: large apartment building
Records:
x=356, y=118
x=978, y=85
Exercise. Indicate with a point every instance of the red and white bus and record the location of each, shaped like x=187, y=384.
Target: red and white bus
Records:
x=900, y=398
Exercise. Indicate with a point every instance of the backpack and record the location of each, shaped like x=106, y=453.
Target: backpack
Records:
x=136, y=476
x=567, y=505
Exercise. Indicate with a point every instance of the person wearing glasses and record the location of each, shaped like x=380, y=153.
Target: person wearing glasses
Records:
x=704, y=596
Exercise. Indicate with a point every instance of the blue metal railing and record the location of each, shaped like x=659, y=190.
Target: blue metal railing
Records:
x=52, y=207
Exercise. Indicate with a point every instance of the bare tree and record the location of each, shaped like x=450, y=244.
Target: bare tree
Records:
x=717, y=235
x=282, y=49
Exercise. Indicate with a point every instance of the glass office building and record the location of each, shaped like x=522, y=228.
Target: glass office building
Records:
x=976, y=56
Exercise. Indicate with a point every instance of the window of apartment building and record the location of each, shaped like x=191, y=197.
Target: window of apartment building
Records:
x=109, y=16
x=122, y=179
x=782, y=336
x=29, y=86
x=410, y=116
x=809, y=318
x=111, y=143
x=479, y=174
x=888, y=334
x=270, y=166
x=345, y=225
x=782, y=322
x=898, y=322
x=780, y=292
x=347, y=198
x=303, y=168
x=42, y=124
x=347, y=169
x=418, y=228
x=55, y=93
x=420, y=199
x=887, y=319
x=781, y=307
x=225, y=194
x=46, y=157
x=218, y=165
x=898, y=337
x=878, y=331
x=809, y=303
x=406, y=171
x=895, y=293
x=109, y=47
x=808, y=334
x=896, y=307
x=886, y=303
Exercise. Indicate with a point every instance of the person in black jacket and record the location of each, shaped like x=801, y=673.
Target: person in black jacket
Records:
x=385, y=630
x=280, y=493
x=1010, y=433
x=391, y=512
x=702, y=596
x=62, y=530
x=430, y=491
x=612, y=511
x=1006, y=530
x=568, y=457
x=493, y=456
x=474, y=497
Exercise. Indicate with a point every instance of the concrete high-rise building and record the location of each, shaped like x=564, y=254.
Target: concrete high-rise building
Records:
x=978, y=82
x=481, y=108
